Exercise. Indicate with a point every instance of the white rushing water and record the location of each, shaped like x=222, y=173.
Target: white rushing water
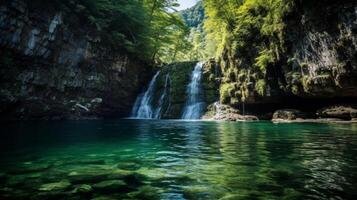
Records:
x=143, y=106
x=194, y=104
x=158, y=112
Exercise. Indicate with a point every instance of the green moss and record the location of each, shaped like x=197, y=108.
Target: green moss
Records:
x=226, y=92
x=265, y=58
x=260, y=87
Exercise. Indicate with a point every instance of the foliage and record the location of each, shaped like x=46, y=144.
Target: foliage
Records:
x=251, y=28
x=148, y=29
x=226, y=92
x=260, y=87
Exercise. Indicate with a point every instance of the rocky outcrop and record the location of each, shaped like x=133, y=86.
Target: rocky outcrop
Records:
x=313, y=64
x=338, y=111
x=222, y=112
x=55, y=65
x=179, y=77
x=288, y=114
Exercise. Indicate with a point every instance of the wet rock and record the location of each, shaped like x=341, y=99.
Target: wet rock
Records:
x=134, y=179
x=288, y=114
x=83, y=189
x=152, y=173
x=224, y=112
x=105, y=198
x=120, y=173
x=203, y=192
x=128, y=165
x=110, y=186
x=247, y=118
x=338, y=111
x=87, y=162
x=145, y=193
x=231, y=197
x=30, y=167
x=88, y=175
x=58, y=186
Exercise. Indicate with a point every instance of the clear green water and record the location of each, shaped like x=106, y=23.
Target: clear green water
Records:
x=130, y=159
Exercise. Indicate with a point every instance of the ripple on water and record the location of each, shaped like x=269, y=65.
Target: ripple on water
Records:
x=177, y=160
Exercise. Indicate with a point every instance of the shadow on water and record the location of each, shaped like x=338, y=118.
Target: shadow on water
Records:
x=168, y=159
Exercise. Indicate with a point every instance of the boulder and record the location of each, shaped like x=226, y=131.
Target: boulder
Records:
x=288, y=114
x=83, y=189
x=110, y=186
x=145, y=193
x=58, y=186
x=338, y=111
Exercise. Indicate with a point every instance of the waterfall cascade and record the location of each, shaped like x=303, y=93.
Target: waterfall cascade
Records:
x=194, y=104
x=158, y=111
x=143, y=106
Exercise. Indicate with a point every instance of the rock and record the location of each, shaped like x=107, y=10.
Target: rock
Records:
x=120, y=173
x=45, y=56
x=203, y=192
x=128, y=165
x=105, y=198
x=88, y=175
x=58, y=186
x=97, y=100
x=288, y=114
x=83, y=189
x=86, y=162
x=110, y=186
x=231, y=197
x=152, y=173
x=338, y=111
x=247, y=118
x=30, y=167
x=145, y=193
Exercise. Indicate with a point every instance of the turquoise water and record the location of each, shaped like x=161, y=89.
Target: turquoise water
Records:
x=129, y=159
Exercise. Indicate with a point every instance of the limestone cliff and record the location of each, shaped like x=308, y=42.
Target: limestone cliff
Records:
x=55, y=65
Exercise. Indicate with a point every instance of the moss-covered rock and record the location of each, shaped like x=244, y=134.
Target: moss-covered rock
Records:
x=58, y=186
x=179, y=78
x=110, y=186
x=338, y=111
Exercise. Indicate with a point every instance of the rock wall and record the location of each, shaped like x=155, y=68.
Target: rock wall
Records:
x=316, y=62
x=179, y=77
x=54, y=65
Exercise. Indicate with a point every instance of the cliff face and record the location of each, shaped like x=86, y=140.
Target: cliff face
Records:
x=322, y=43
x=54, y=65
x=316, y=58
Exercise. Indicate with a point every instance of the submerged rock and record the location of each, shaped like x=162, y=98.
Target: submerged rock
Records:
x=30, y=168
x=83, y=189
x=145, y=193
x=203, y=192
x=110, y=186
x=128, y=165
x=58, y=186
x=105, y=198
x=88, y=175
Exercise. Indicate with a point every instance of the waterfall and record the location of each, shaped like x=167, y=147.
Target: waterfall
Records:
x=194, y=104
x=163, y=96
x=143, y=106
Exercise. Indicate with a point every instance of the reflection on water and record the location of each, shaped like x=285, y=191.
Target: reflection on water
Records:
x=131, y=159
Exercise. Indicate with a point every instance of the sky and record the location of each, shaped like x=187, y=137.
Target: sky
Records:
x=186, y=4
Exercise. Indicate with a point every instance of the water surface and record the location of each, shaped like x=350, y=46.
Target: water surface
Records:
x=138, y=159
